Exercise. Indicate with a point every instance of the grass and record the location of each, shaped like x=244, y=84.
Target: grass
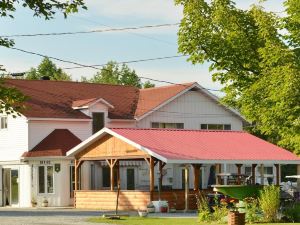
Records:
x=161, y=221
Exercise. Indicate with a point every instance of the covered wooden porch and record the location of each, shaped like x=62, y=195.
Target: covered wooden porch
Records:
x=159, y=148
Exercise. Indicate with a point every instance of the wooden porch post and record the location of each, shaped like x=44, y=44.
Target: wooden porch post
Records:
x=277, y=166
x=186, y=186
x=239, y=172
x=161, y=165
x=196, y=168
x=218, y=170
x=111, y=163
x=151, y=170
x=253, y=173
x=77, y=164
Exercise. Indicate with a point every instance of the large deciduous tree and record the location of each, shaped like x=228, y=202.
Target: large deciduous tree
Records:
x=255, y=54
x=112, y=73
x=47, y=69
x=10, y=98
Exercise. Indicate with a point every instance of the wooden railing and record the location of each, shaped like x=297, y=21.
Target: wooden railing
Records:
x=106, y=200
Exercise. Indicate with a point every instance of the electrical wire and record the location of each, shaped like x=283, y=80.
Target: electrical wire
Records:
x=91, y=31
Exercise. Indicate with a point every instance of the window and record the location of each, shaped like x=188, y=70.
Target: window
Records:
x=248, y=170
x=45, y=179
x=268, y=170
x=3, y=122
x=106, y=177
x=167, y=125
x=72, y=180
x=98, y=121
x=215, y=126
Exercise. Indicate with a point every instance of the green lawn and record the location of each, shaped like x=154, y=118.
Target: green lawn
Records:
x=161, y=221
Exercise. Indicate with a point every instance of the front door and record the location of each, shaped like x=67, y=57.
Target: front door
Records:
x=130, y=179
x=14, y=191
x=10, y=191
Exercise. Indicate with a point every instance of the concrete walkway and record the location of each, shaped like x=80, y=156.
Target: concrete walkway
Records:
x=64, y=216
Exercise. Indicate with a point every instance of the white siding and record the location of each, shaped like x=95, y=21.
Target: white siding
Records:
x=192, y=109
x=38, y=129
x=14, y=139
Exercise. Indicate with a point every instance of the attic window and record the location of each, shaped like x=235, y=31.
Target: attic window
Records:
x=3, y=122
x=168, y=125
x=215, y=126
x=98, y=121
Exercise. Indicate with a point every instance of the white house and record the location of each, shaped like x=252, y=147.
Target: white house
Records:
x=59, y=115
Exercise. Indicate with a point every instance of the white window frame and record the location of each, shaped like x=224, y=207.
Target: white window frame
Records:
x=217, y=124
x=45, y=180
x=3, y=118
x=164, y=123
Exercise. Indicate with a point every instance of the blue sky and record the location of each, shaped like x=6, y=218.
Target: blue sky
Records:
x=98, y=48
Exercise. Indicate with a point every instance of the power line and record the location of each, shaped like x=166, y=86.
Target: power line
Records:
x=132, y=33
x=91, y=31
x=128, y=62
x=94, y=67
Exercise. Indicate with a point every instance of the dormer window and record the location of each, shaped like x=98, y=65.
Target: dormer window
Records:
x=98, y=121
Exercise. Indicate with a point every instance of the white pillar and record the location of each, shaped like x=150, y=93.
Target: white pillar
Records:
x=262, y=174
x=225, y=171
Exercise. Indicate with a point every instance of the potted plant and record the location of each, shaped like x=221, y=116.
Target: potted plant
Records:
x=172, y=207
x=45, y=203
x=150, y=208
x=164, y=207
x=33, y=202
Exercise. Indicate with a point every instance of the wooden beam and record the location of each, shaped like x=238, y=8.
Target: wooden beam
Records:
x=218, y=170
x=277, y=166
x=186, y=187
x=253, y=173
x=196, y=168
x=112, y=177
x=151, y=170
x=147, y=161
x=239, y=172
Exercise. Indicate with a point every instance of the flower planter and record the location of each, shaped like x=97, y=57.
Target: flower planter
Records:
x=236, y=218
x=151, y=210
x=143, y=213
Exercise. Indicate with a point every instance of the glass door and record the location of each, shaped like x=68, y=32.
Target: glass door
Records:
x=130, y=179
x=14, y=178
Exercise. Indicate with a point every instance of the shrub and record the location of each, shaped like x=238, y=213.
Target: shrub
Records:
x=252, y=209
x=269, y=202
x=293, y=213
x=203, y=208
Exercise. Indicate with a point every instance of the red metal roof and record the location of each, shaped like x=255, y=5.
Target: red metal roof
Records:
x=206, y=145
x=57, y=143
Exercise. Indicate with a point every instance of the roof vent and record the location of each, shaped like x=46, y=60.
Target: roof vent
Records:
x=45, y=78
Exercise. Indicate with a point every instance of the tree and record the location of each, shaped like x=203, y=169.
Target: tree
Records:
x=255, y=54
x=112, y=73
x=49, y=69
x=10, y=98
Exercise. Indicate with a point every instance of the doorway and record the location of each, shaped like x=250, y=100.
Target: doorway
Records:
x=10, y=192
x=130, y=179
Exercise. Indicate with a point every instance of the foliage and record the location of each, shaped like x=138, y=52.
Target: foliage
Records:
x=269, y=202
x=293, y=213
x=11, y=99
x=255, y=54
x=112, y=73
x=49, y=69
x=204, y=213
x=252, y=210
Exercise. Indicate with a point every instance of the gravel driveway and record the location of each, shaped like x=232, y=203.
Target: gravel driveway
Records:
x=45, y=217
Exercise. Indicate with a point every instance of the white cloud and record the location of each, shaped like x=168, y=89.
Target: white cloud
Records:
x=164, y=10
